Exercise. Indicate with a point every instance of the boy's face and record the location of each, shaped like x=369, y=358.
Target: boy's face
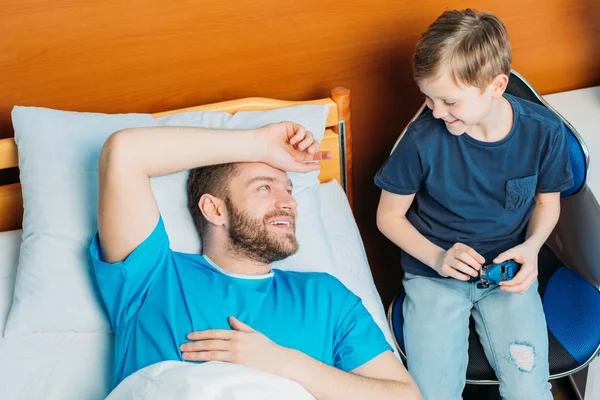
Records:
x=460, y=107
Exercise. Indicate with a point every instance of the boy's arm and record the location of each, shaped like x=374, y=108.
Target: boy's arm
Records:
x=457, y=262
x=543, y=220
x=392, y=222
x=128, y=212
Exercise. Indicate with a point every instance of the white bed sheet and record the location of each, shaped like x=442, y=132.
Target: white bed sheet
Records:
x=52, y=365
x=79, y=365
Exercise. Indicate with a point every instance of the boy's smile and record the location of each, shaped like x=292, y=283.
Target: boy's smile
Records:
x=468, y=109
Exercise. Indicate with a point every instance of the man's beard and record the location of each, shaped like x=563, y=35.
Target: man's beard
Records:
x=251, y=238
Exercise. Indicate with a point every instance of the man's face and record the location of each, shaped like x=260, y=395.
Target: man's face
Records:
x=459, y=107
x=262, y=213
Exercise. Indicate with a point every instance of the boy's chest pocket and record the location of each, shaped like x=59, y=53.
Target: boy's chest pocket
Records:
x=519, y=192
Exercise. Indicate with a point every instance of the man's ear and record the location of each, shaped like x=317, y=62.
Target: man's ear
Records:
x=498, y=85
x=213, y=209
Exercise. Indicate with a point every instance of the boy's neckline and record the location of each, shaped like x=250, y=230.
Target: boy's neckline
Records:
x=515, y=117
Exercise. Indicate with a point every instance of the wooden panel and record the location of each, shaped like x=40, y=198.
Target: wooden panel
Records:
x=11, y=207
x=139, y=56
x=8, y=153
x=330, y=169
x=341, y=96
x=117, y=56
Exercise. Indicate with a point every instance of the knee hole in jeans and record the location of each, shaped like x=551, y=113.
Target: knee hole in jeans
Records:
x=522, y=356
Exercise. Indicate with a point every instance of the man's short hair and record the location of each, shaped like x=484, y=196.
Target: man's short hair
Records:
x=212, y=179
x=473, y=45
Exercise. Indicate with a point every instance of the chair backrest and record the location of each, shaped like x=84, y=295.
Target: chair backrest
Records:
x=578, y=154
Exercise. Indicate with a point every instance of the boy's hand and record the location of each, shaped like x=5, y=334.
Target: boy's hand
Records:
x=242, y=345
x=459, y=260
x=288, y=146
x=527, y=256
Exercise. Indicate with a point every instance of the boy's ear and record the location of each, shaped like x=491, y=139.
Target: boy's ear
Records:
x=213, y=209
x=499, y=84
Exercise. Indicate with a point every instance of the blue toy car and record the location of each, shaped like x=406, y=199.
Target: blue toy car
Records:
x=494, y=273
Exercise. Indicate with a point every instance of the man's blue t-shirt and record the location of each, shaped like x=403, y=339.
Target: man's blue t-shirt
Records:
x=156, y=297
x=477, y=193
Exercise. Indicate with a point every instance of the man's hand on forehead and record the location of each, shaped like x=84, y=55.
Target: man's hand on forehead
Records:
x=290, y=147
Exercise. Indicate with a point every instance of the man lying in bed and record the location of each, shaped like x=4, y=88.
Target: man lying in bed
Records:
x=228, y=304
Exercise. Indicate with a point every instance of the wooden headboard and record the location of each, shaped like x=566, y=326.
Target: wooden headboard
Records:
x=337, y=139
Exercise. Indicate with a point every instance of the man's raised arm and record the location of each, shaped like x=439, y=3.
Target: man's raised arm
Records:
x=127, y=210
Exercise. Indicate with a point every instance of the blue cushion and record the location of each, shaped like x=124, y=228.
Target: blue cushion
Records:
x=577, y=158
x=397, y=319
x=572, y=308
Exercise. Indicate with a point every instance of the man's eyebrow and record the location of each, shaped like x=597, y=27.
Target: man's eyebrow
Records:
x=267, y=179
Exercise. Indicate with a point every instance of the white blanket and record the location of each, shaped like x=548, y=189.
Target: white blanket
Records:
x=208, y=381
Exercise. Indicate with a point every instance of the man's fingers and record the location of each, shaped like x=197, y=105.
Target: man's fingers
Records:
x=298, y=132
x=239, y=325
x=206, y=345
x=306, y=142
x=219, y=334
x=305, y=166
x=318, y=155
x=208, y=356
x=313, y=148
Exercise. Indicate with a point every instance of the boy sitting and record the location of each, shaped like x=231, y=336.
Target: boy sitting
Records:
x=474, y=180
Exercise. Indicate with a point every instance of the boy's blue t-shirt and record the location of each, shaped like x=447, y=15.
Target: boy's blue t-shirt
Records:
x=477, y=193
x=156, y=297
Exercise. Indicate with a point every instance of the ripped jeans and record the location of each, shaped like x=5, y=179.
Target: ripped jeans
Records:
x=511, y=328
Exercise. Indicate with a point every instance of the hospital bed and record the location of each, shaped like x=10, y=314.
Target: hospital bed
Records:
x=54, y=345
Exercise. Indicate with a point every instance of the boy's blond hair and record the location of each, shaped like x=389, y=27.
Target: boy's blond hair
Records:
x=473, y=45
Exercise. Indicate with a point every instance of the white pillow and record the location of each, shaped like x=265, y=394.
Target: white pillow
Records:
x=9, y=256
x=349, y=252
x=58, y=156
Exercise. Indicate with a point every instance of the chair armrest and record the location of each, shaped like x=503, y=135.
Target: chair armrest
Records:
x=576, y=237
